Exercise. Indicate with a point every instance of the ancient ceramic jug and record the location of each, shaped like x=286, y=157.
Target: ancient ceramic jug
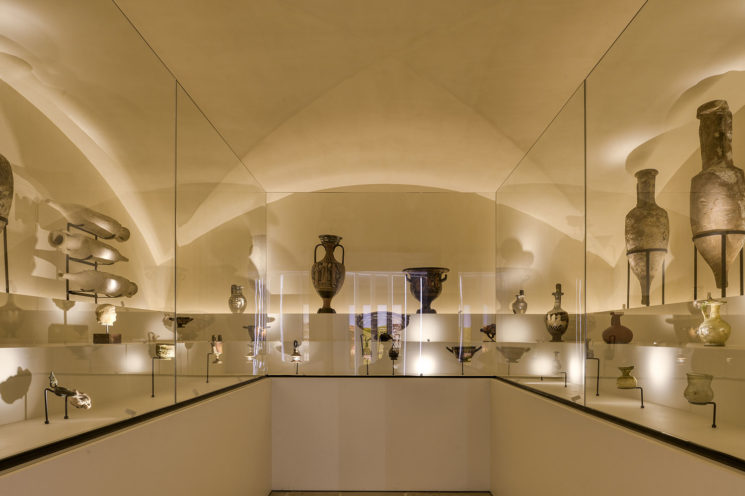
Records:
x=617, y=333
x=83, y=247
x=6, y=191
x=713, y=331
x=557, y=320
x=718, y=191
x=237, y=301
x=327, y=274
x=91, y=221
x=647, y=233
x=698, y=391
x=626, y=380
x=520, y=305
x=425, y=283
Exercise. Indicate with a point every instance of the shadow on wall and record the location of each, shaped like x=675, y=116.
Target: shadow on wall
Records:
x=16, y=386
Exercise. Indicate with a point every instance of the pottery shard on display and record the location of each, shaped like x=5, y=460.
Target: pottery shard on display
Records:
x=617, y=333
x=647, y=233
x=91, y=221
x=6, y=191
x=718, y=191
x=328, y=273
x=557, y=320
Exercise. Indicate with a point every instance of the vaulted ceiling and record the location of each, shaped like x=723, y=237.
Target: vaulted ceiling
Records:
x=319, y=94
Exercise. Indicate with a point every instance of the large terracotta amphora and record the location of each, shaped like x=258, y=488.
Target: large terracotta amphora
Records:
x=717, y=192
x=327, y=274
x=647, y=233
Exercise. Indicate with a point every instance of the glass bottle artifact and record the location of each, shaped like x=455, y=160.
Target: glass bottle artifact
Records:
x=91, y=221
x=713, y=331
x=520, y=305
x=698, y=391
x=626, y=380
x=85, y=248
x=237, y=301
x=647, y=233
x=328, y=273
x=717, y=192
x=101, y=283
x=557, y=320
x=617, y=333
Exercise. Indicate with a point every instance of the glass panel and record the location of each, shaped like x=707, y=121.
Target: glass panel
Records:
x=220, y=218
x=540, y=245
x=87, y=127
x=381, y=234
x=646, y=101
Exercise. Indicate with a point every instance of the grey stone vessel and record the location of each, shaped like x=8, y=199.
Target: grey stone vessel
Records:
x=718, y=191
x=647, y=233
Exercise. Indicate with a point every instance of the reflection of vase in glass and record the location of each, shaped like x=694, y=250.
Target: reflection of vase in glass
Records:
x=556, y=369
x=718, y=191
x=236, y=302
x=698, y=391
x=520, y=305
x=617, y=333
x=713, y=331
x=626, y=380
x=6, y=191
x=647, y=233
x=11, y=317
x=328, y=273
x=557, y=320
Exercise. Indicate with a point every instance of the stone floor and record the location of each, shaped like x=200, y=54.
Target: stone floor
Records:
x=372, y=493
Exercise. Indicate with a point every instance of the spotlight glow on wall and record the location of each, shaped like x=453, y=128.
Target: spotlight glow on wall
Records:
x=424, y=365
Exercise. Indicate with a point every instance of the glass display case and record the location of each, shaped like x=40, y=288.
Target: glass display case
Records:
x=126, y=220
x=387, y=321
x=632, y=199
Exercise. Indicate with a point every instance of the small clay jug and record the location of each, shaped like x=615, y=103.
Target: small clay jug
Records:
x=617, y=333
x=626, y=380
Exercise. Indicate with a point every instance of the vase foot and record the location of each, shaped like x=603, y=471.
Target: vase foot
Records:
x=326, y=310
x=426, y=310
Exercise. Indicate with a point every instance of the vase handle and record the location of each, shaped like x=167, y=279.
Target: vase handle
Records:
x=342, y=251
x=408, y=279
x=444, y=278
x=315, y=252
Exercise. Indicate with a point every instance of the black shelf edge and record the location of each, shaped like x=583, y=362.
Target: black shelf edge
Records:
x=45, y=450
x=710, y=453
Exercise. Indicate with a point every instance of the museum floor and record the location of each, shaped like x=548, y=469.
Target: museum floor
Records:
x=372, y=493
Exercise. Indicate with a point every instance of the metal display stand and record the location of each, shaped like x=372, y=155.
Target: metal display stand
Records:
x=562, y=372
x=597, y=375
x=46, y=404
x=646, y=251
x=714, y=418
x=641, y=391
x=5, y=254
x=723, y=283
x=84, y=261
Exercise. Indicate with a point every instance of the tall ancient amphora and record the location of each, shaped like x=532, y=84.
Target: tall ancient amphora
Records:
x=327, y=274
x=647, y=233
x=718, y=191
x=6, y=191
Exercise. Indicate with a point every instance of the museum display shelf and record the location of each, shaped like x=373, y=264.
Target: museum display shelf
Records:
x=33, y=432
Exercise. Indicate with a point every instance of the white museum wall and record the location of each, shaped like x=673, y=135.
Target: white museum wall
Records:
x=346, y=434
x=541, y=447
x=222, y=444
